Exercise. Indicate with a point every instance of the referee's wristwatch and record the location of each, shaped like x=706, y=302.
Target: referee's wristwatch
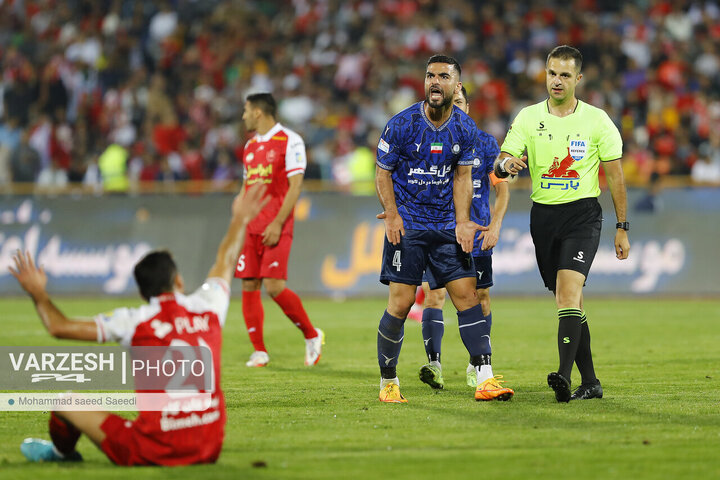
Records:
x=624, y=225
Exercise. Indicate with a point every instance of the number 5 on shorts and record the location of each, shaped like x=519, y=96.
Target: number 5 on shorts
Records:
x=396, y=260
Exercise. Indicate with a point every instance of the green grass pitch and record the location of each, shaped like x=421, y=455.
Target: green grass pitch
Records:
x=658, y=359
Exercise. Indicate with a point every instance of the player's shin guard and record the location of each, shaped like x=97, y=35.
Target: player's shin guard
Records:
x=63, y=434
x=254, y=316
x=568, y=339
x=389, y=342
x=433, y=329
x=291, y=304
x=583, y=357
x=475, y=331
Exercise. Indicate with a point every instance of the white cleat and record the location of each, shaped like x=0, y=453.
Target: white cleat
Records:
x=258, y=359
x=313, y=348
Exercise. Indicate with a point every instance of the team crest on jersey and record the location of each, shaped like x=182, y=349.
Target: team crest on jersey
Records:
x=160, y=328
x=578, y=149
x=476, y=162
x=250, y=156
x=456, y=148
x=271, y=154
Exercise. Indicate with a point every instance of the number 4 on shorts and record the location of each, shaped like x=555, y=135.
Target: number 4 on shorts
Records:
x=396, y=260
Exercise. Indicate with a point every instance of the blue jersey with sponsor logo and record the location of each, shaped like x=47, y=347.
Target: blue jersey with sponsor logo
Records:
x=422, y=159
x=486, y=151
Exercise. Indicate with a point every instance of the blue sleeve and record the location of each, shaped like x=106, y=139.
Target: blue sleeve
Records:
x=490, y=151
x=389, y=147
x=469, y=147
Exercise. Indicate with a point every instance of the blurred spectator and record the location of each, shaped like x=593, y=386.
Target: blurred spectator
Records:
x=10, y=138
x=707, y=167
x=53, y=177
x=113, y=168
x=25, y=161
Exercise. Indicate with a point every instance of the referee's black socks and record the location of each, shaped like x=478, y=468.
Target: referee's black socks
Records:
x=569, y=333
x=583, y=358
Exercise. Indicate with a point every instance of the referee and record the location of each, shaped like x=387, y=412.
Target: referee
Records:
x=566, y=141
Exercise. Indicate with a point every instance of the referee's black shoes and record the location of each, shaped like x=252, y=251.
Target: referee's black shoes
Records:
x=587, y=390
x=561, y=385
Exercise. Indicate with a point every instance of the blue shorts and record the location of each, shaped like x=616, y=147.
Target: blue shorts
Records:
x=483, y=269
x=418, y=250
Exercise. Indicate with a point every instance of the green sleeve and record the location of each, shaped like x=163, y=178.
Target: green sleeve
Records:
x=515, y=140
x=610, y=145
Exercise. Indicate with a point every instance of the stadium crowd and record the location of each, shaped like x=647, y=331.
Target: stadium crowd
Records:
x=116, y=92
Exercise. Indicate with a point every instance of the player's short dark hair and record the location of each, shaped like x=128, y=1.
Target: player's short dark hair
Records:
x=155, y=274
x=463, y=92
x=265, y=102
x=445, y=59
x=566, y=52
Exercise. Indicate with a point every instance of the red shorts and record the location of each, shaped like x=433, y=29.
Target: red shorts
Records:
x=125, y=444
x=260, y=261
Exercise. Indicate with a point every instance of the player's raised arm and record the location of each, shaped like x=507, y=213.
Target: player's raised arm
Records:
x=245, y=207
x=394, y=228
x=34, y=281
x=616, y=183
x=462, y=197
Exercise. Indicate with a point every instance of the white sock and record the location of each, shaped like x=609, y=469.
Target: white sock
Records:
x=436, y=363
x=483, y=373
x=385, y=381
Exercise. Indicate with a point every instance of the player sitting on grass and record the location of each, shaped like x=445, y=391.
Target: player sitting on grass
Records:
x=147, y=440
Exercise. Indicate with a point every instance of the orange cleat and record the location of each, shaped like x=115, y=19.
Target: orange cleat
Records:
x=390, y=393
x=491, y=389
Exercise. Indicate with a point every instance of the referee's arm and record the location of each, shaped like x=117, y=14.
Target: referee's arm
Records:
x=506, y=165
x=616, y=184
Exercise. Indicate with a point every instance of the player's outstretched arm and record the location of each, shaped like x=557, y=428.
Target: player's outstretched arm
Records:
x=507, y=165
x=465, y=229
x=34, y=281
x=246, y=205
x=616, y=183
x=394, y=227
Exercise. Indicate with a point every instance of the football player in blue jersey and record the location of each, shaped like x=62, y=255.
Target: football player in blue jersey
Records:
x=424, y=182
x=433, y=325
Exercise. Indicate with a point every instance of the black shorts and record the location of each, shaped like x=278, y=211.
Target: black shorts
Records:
x=418, y=250
x=483, y=270
x=566, y=236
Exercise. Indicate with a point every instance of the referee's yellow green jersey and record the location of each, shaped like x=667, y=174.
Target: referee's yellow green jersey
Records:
x=564, y=153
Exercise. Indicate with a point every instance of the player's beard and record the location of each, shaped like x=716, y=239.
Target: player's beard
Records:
x=447, y=100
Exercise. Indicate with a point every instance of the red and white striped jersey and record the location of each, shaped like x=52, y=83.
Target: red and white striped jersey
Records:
x=177, y=319
x=271, y=159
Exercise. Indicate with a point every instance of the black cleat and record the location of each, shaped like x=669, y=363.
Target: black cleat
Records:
x=561, y=386
x=587, y=391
